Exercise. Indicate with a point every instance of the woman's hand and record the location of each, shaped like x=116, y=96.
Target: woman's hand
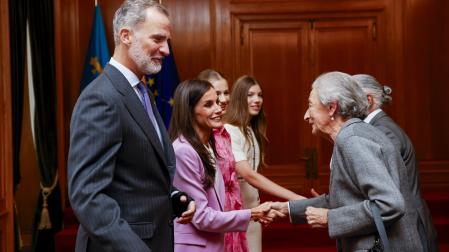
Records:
x=317, y=217
x=265, y=214
x=260, y=211
x=187, y=215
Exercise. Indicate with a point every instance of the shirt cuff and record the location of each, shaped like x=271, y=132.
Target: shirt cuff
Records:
x=289, y=215
x=173, y=193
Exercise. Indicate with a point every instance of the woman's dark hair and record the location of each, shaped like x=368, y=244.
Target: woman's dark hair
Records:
x=238, y=113
x=187, y=95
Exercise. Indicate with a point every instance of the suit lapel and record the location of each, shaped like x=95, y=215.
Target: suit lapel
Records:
x=135, y=108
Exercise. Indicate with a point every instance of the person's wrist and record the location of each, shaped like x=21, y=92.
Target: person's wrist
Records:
x=284, y=208
x=254, y=214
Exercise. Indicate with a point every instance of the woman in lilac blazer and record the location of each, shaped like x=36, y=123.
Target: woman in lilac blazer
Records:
x=195, y=114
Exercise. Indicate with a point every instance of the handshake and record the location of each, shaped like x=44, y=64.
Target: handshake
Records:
x=268, y=212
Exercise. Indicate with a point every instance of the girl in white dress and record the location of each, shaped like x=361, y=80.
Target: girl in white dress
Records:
x=245, y=122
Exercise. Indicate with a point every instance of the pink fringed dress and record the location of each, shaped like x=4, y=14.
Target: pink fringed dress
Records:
x=234, y=241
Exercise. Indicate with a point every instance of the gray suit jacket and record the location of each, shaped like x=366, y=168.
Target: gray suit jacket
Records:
x=365, y=166
x=403, y=144
x=119, y=175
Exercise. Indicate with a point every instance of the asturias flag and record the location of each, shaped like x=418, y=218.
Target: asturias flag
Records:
x=163, y=85
x=98, y=52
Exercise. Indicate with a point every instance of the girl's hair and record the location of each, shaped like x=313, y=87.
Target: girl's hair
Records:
x=238, y=113
x=210, y=75
x=187, y=95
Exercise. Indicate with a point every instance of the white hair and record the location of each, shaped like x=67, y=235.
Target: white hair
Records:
x=131, y=13
x=372, y=87
x=343, y=89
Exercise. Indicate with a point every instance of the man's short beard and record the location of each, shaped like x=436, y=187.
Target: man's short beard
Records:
x=142, y=60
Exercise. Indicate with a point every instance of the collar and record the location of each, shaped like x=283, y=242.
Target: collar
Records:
x=372, y=115
x=129, y=75
x=349, y=122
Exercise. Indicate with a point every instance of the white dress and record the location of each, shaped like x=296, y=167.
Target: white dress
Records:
x=249, y=151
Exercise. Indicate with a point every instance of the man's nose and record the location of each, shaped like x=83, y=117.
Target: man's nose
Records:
x=165, y=50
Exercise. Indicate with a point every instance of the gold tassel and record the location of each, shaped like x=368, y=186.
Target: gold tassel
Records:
x=45, y=222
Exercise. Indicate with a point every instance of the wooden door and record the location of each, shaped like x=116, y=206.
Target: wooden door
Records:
x=275, y=53
x=286, y=53
x=348, y=45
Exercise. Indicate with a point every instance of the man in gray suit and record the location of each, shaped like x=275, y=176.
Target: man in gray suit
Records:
x=379, y=95
x=121, y=162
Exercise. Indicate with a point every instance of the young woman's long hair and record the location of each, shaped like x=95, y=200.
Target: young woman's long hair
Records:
x=187, y=95
x=238, y=113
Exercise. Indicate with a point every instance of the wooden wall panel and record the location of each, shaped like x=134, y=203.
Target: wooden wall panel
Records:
x=286, y=52
x=275, y=51
x=6, y=163
x=348, y=45
x=439, y=74
x=414, y=63
x=278, y=66
x=425, y=78
x=418, y=61
x=414, y=60
x=191, y=35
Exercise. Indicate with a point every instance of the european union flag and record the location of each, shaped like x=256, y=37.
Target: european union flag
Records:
x=163, y=85
x=98, y=52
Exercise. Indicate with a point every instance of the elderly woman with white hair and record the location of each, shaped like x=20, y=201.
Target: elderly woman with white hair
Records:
x=378, y=96
x=364, y=169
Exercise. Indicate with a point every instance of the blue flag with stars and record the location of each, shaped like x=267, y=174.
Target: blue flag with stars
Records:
x=163, y=85
x=98, y=53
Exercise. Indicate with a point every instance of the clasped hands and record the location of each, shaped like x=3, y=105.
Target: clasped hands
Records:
x=270, y=211
x=265, y=213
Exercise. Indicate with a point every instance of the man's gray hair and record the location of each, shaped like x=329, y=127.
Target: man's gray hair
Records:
x=131, y=13
x=372, y=87
x=343, y=89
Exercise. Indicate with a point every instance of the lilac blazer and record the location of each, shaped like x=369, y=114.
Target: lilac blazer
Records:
x=206, y=231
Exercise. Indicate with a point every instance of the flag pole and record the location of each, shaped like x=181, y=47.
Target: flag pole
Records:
x=96, y=3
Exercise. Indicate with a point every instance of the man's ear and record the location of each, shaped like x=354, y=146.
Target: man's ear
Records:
x=126, y=36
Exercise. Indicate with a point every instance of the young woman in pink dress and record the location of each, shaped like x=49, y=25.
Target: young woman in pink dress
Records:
x=234, y=241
